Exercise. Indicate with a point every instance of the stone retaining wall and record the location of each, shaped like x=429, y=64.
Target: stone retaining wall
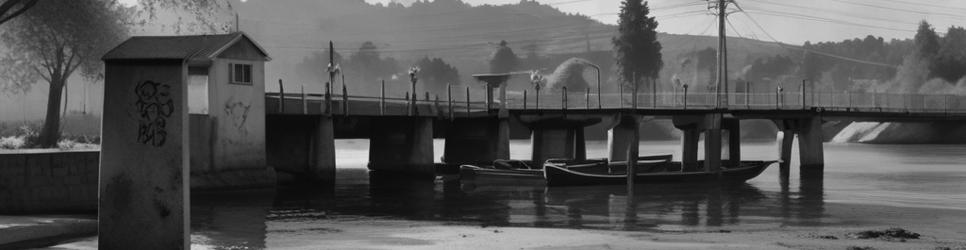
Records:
x=46, y=181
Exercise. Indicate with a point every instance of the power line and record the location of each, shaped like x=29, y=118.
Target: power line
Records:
x=809, y=50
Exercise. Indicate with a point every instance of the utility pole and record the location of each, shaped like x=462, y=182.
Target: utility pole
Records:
x=721, y=9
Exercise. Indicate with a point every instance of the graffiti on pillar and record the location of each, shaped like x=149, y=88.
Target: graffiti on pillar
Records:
x=237, y=113
x=154, y=107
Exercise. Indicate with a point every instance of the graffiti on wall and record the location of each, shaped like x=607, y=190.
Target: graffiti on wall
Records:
x=154, y=106
x=237, y=113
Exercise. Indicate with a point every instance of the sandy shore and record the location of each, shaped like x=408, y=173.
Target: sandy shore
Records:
x=394, y=234
x=368, y=233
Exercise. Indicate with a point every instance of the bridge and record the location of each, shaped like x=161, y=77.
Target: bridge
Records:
x=193, y=110
x=475, y=123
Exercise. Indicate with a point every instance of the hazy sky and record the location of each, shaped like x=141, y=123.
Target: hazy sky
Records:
x=787, y=21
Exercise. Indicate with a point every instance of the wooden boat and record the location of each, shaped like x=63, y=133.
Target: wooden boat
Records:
x=516, y=169
x=670, y=172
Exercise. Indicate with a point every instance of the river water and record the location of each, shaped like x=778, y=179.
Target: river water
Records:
x=865, y=185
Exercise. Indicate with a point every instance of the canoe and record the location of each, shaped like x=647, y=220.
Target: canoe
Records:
x=563, y=176
x=526, y=170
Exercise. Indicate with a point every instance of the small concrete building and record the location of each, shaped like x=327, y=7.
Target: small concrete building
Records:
x=226, y=103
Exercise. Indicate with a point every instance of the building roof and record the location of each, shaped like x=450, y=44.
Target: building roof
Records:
x=194, y=48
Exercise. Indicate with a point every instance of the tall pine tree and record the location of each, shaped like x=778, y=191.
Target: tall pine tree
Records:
x=638, y=53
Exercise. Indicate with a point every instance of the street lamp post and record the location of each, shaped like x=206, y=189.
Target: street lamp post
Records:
x=413, y=78
x=536, y=79
x=333, y=70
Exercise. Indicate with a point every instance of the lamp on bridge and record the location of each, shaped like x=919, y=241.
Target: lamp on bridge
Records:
x=536, y=79
x=413, y=78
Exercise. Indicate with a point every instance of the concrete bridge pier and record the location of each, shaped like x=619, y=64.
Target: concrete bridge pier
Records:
x=620, y=137
x=558, y=137
x=810, y=152
x=732, y=138
x=322, y=151
x=477, y=141
x=784, y=141
x=714, y=127
x=402, y=146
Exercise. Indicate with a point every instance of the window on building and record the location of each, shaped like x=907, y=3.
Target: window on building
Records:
x=241, y=73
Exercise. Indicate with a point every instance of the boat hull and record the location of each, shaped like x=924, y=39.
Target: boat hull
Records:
x=560, y=176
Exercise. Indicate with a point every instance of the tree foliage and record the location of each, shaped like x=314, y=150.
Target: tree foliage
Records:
x=313, y=67
x=368, y=65
x=637, y=49
x=949, y=62
x=436, y=74
x=503, y=59
x=52, y=41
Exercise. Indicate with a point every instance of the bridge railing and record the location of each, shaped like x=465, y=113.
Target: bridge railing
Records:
x=469, y=100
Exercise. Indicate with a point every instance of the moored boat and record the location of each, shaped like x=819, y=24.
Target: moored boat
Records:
x=526, y=170
x=670, y=172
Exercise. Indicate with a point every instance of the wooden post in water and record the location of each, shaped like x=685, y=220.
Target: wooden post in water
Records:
x=281, y=97
x=382, y=99
x=632, y=153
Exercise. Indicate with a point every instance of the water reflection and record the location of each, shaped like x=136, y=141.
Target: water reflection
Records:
x=239, y=219
x=230, y=220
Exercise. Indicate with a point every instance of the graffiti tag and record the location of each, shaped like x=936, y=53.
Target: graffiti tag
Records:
x=154, y=107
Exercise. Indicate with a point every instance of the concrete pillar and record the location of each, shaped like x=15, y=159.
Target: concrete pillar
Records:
x=783, y=141
x=477, y=141
x=322, y=152
x=402, y=146
x=550, y=143
x=712, y=150
x=580, y=144
x=733, y=138
x=689, y=146
x=620, y=138
x=712, y=143
x=143, y=188
x=810, y=151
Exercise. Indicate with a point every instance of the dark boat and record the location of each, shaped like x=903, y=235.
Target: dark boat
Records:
x=670, y=172
x=526, y=170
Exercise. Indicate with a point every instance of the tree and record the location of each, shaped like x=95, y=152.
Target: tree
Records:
x=52, y=41
x=313, y=67
x=927, y=41
x=503, y=59
x=369, y=65
x=13, y=8
x=950, y=61
x=436, y=74
x=638, y=52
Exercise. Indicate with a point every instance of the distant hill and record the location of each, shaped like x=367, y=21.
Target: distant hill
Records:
x=460, y=34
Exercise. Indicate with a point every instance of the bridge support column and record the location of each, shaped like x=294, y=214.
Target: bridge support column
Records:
x=810, y=151
x=784, y=141
x=733, y=137
x=620, y=137
x=712, y=150
x=689, y=147
x=402, y=146
x=551, y=143
x=477, y=141
x=322, y=152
